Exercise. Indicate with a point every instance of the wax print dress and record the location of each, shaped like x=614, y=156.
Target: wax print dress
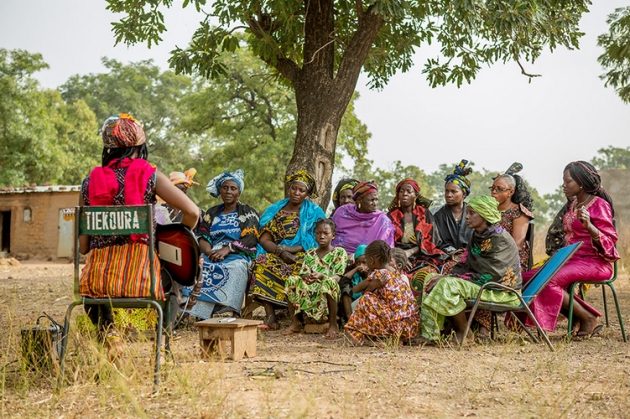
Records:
x=270, y=271
x=389, y=311
x=593, y=261
x=310, y=299
x=116, y=266
x=507, y=222
x=491, y=256
x=224, y=282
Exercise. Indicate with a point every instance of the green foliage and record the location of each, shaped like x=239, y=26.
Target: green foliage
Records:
x=616, y=56
x=470, y=34
x=149, y=94
x=246, y=119
x=612, y=158
x=43, y=140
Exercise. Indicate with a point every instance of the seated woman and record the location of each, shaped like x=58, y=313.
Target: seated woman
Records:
x=413, y=224
x=227, y=240
x=515, y=204
x=449, y=220
x=387, y=307
x=362, y=222
x=342, y=194
x=314, y=291
x=491, y=256
x=587, y=217
x=125, y=178
x=287, y=230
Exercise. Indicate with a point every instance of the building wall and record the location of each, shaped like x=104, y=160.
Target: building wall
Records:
x=38, y=238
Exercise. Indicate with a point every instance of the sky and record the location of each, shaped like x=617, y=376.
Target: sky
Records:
x=565, y=115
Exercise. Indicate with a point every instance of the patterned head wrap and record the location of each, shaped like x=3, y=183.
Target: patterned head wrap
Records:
x=458, y=177
x=216, y=182
x=344, y=184
x=487, y=207
x=122, y=131
x=186, y=178
x=306, y=178
x=363, y=188
x=360, y=251
x=410, y=182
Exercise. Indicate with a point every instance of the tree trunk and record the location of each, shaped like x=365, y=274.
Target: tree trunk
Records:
x=322, y=96
x=315, y=144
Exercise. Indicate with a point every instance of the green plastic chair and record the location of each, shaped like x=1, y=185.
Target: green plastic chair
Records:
x=604, y=284
x=119, y=221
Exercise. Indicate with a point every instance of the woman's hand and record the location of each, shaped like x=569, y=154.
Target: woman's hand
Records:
x=584, y=217
x=288, y=257
x=219, y=254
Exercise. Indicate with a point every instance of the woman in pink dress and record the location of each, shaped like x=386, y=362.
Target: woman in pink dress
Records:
x=588, y=217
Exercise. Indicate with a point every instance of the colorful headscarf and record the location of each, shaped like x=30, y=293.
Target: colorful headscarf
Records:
x=122, y=131
x=343, y=185
x=360, y=251
x=458, y=177
x=487, y=207
x=186, y=178
x=410, y=182
x=363, y=188
x=215, y=183
x=306, y=178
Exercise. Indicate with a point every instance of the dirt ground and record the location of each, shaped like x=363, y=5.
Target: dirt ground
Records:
x=309, y=376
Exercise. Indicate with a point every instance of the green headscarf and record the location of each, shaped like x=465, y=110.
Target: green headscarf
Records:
x=487, y=207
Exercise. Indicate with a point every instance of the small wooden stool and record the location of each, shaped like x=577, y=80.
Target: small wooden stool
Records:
x=241, y=333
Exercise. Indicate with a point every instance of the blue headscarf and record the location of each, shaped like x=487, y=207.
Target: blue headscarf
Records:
x=215, y=183
x=360, y=251
x=310, y=213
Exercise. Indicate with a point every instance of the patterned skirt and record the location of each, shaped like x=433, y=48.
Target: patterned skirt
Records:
x=374, y=318
x=269, y=277
x=310, y=299
x=120, y=271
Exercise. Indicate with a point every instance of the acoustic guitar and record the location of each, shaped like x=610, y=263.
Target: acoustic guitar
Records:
x=178, y=250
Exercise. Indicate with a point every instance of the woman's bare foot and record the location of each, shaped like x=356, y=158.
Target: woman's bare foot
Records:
x=333, y=332
x=586, y=327
x=294, y=327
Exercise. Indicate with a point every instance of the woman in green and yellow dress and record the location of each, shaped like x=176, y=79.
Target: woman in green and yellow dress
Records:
x=287, y=230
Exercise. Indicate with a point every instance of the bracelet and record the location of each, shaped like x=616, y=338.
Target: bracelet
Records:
x=229, y=246
x=279, y=249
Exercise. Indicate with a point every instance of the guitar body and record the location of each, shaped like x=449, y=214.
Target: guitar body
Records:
x=178, y=250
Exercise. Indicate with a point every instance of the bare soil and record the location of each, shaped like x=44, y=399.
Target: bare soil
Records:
x=309, y=376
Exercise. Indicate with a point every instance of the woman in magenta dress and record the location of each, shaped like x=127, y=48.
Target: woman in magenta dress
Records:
x=587, y=217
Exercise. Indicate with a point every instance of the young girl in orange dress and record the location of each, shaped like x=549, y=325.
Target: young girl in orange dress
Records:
x=387, y=308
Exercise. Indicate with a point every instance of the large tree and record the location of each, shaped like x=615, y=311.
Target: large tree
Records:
x=244, y=119
x=320, y=47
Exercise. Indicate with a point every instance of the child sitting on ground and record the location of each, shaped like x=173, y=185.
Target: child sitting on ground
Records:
x=387, y=308
x=315, y=290
x=353, y=277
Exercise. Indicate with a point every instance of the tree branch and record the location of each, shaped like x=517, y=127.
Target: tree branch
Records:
x=525, y=73
x=288, y=68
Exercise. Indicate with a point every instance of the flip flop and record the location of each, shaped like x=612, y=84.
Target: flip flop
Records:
x=597, y=330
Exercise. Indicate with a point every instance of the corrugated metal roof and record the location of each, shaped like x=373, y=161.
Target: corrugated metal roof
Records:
x=40, y=189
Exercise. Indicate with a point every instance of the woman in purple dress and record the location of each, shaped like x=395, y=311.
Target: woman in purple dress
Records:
x=362, y=222
x=588, y=217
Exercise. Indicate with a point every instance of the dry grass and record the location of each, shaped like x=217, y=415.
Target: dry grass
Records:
x=308, y=376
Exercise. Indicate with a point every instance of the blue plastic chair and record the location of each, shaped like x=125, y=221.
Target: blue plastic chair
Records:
x=604, y=284
x=89, y=220
x=526, y=295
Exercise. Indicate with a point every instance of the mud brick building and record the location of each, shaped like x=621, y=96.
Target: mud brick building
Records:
x=38, y=221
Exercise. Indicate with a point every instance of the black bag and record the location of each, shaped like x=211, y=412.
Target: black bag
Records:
x=41, y=344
